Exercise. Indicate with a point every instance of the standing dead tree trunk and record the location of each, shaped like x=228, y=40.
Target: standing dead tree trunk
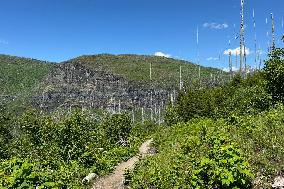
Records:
x=241, y=36
x=272, y=32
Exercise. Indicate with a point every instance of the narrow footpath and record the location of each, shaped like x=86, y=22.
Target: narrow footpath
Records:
x=116, y=179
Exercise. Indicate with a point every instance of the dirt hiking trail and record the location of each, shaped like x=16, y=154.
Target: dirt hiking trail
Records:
x=116, y=179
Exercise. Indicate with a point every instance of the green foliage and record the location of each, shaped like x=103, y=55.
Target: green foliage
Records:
x=24, y=174
x=5, y=134
x=274, y=75
x=197, y=103
x=198, y=154
x=223, y=167
x=20, y=75
x=172, y=116
x=57, y=152
x=243, y=100
x=118, y=128
x=260, y=138
x=237, y=80
x=226, y=153
x=145, y=130
x=237, y=98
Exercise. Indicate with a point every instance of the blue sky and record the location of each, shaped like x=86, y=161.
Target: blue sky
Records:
x=57, y=30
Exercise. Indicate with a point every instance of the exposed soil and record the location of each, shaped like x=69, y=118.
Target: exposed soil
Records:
x=116, y=179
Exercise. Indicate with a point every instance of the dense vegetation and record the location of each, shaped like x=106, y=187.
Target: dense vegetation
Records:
x=227, y=136
x=240, y=97
x=52, y=151
x=19, y=75
x=227, y=153
x=58, y=149
x=222, y=137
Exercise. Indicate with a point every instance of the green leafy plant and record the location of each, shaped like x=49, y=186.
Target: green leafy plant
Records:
x=118, y=128
x=198, y=154
x=274, y=75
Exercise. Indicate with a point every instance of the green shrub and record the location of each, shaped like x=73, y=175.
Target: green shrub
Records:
x=16, y=173
x=239, y=97
x=117, y=128
x=260, y=137
x=224, y=166
x=243, y=100
x=274, y=75
x=57, y=152
x=195, y=103
x=144, y=130
x=44, y=138
x=5, y=135
x=172, y=116
x=237, y=80
x=198, y=154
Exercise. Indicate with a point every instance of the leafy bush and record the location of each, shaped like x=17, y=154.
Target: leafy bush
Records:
x=145, y=130
x=57, y=152
x=118, y=128
x=243, y=100
x=193, y=155
x=236, y=98
x=224, y=167
x=195, y=103
x=260, y=138
x=5, y=135
x=172, y=116
x=274, y=75
x=18, y=173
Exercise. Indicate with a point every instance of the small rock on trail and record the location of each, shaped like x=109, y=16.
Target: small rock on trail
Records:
x=116, y=179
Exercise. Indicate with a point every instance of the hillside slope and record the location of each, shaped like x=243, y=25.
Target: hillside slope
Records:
x=19, y=78
x=113, y=82
x=165, y=71
x=119, y=82
x=18, y=75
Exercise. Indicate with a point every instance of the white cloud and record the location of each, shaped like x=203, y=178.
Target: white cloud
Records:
x=4, y=42
x=211, y=58
x=260, y=52
x=236, y=51
x=215, y=26
x=162, y=54
x=228, y=69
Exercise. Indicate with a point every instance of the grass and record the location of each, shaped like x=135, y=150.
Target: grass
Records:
x=165, y=71
x=186, y=149
x=21, y=75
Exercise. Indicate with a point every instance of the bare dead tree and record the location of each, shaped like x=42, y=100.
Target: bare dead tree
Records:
x=180, y=79
x=255, y=40
x=198, y=61
x=241, y=36
x=272, y=32
x=230, y=61
x=245, y=61
x=142, y=115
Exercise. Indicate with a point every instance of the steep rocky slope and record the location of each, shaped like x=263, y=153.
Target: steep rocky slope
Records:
x=112, y=82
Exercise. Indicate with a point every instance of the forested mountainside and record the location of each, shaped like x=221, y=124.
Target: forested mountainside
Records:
x=113, y=82
x=20, y=75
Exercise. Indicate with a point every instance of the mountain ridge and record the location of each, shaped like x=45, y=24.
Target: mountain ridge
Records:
x=103, y=81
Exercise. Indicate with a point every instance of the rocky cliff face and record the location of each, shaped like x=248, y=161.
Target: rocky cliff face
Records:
x=74, y=85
